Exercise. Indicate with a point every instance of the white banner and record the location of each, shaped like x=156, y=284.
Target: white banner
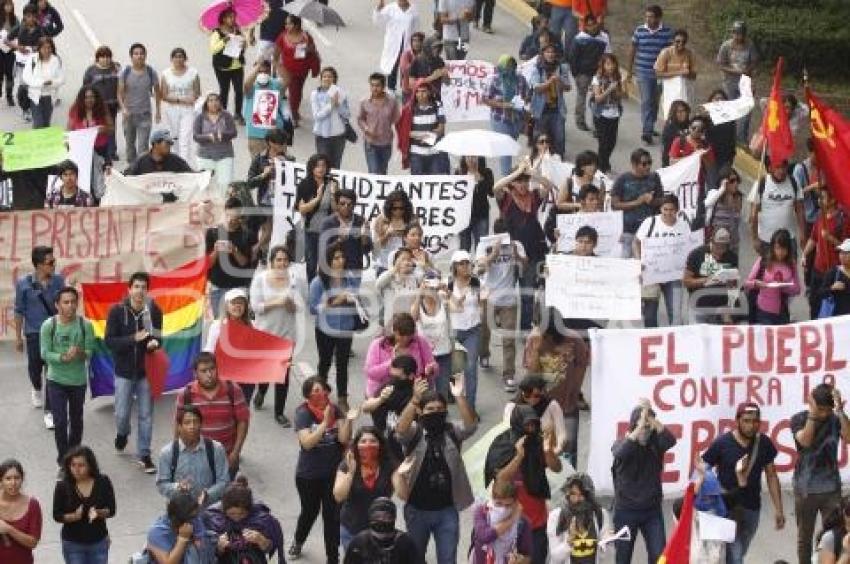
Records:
x=442, y=204
x=593, y=287
x=80, y=150
x=695, y=376
x=608, y=225
x=148, y=188
x=733, y=110
x=682, y=179
x=664, y=258
x=463, y=97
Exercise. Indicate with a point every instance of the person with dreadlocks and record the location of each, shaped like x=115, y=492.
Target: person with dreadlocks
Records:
x=575, y=529
x=382, y=542
x=521, y=456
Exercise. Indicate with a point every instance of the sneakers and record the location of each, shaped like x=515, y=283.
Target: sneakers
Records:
x=294, y=550
x=147, y=465
x=259, y=398
x=510, y=385
x=283, y=421
x=35, y=397
x=120, y=442
x=488, y=29
x=48, y=421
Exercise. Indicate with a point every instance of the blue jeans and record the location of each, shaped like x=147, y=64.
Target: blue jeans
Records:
x=527, y=286
x=552, y=124
x=744, y=534
x=377, y=157
x=650, y=523
x=444, y=365
x=470, y=338
x=649, y=94
x=443, y=524
x=66, y=405
x=672, y=292
x=508, y=128
x=125, y=391
x=429, y=164
x=79, y=553
x=345, y=537
x=35, y=365
x=216, y=295
x=563, y=19
x=477, y=229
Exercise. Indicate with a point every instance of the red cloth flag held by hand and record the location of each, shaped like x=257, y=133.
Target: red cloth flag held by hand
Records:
x=831, y=138
x=774, y=125
x=157, y=365
x=247, y=355
x=678, y=549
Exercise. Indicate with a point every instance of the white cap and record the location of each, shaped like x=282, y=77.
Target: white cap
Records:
x=460, y=256
x=844, y=247
x=234, y=293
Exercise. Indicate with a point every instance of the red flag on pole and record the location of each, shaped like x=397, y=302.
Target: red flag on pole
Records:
x=774, y=125
x=678, y=549
x=831, y=138
x=248, y=355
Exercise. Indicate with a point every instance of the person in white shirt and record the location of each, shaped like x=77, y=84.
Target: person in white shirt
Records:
x=465, y=317
x=776, y=202
x=43, y=76
x=455, y=16
x=666, y=224
x=400, y=21
x=181, y=88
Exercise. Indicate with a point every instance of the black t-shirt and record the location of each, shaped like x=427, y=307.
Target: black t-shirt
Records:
x=703, y=264
x=433, y=488
x=725, y=452
x=272, y=26
x=354, y=512
x=321, y=461
x=629, y=187
x=67, y=500
x=226, y=272
x=816, y=470
x=26, y=36
x=365, y=550
x=423, y=67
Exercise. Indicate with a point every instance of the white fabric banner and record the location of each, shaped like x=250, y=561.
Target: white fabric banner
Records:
x=80, y=150
x=463, y=96
x=442, y=204
x=675, y=88
x=682, y=179
x=593, y=287
x=664, y=258
x=695, y=376
x=608, y=225
x=148, y=188
x=733, y=110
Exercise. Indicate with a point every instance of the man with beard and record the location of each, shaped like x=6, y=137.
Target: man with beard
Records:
x=521, y=456
x=817, y=485
x=391, y=400
x=739, y=457
x=638, y=462
x=433, y=479
x=382, y=543
x=575, y=529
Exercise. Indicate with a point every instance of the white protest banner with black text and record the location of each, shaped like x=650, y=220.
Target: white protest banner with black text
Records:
x=463, y=96
x=695, y=376
x=682, y=179
x=608, y=226
x=147, y=189
x=664, y=258
x=593, y=287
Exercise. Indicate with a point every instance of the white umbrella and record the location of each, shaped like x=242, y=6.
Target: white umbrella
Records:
x=478, y=143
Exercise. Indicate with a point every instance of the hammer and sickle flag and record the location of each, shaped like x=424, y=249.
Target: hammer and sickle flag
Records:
x=831, y=137
x=775, y=126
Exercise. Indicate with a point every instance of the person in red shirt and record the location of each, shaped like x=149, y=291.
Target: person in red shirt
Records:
x=225, y=411
x=685, y=145
x=829, y=230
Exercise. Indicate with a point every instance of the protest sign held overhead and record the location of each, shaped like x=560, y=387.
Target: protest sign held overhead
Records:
x=32, y=148
x=593, y=287
x=664, y=258
x=148, y=189
x=682, y=180
x=463, y=97
x=608, y=225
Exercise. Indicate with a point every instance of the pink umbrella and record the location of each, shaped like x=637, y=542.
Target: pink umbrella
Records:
x=248, y=12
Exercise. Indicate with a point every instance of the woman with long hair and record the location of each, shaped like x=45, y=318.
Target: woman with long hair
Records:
x=235, y=309
x=214, y=130
x=314, y=200
x=103, y=76
x=82, y=502
x=296, y=51
x=8, y=21
x=43, y=77
x=362, y=477
x=396, y=288
x=678, y=121
x=723, y=206
x=774, y=281
x=834, y=538
x=403, y=340
x=479, y=218
x=180, y=534
x=389, y=227
x=333, y=296
x=331, y=113
x=20, y=516
x=579, y=524
x=324, y=431
x=414, y=241
x=245, y=529
x=181, y=88
x=89, y=110
x=464, y=290
x=586, y=172
x=607, y=96
x=431, y=312
x=228, y=63
x=276, y=294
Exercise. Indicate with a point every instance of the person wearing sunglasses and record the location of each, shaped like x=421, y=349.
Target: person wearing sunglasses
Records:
x=638, y=194
x=685, y=146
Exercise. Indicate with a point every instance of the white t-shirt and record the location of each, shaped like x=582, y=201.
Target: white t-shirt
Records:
x=470, y=316
x=777, y=207
x=435, y=329
x=655, y=227
x=500, y=279
x=182, y=86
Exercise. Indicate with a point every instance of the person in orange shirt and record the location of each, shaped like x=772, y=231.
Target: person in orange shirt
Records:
x=562, y=21
x=598, y=8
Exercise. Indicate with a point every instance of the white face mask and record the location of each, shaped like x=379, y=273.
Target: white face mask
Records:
x=263, y=78
x=499, y=514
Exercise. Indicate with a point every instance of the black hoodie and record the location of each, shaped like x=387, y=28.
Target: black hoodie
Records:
x=123, y=322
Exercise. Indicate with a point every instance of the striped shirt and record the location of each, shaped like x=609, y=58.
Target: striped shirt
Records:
x=648, y=44
x=220, y=414
x=426, y=119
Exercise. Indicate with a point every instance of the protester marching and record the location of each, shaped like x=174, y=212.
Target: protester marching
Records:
x=484, y=278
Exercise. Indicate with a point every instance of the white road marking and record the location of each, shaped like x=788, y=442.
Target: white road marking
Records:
x=87, y=30
x=314, y=31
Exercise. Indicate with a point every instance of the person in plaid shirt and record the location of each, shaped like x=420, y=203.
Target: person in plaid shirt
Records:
x=68, y=193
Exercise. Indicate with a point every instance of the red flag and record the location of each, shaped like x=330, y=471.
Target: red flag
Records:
x=157, y=365
x=248, y=355
x=831, y=138
x=774, y=124
x=678, y=549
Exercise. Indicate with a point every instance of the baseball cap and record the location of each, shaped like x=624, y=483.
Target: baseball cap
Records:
x=161, y=135
x=844, y=247
x=460, y=256
x=748, y=407
x=722, y=236
x=739, y=26
x=234, y=293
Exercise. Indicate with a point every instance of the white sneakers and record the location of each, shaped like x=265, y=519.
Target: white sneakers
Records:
x=48, y=421
x=36, y=399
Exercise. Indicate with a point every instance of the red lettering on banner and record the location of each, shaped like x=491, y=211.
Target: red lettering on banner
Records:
x=732, y=382
x=670, y=457
x=702, y=435
x=753, y=386
x=789, y=451
x=688, y=392
x=647, y=355
x=774, y=391
x=811, y=358
x=674, y=367
x=656, y=394
x=733, y=338
x=784, y=339
x=831, y=363
x=765, y=364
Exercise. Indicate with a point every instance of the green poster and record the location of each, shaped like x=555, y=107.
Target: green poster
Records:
x=32, y=148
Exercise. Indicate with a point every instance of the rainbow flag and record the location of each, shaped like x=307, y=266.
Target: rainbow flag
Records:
x=180, y=295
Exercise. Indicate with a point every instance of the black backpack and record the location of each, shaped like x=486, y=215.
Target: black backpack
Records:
x=175, y=454
x=243, y=555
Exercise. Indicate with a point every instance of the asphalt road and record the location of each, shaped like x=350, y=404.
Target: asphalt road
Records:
x=270, y=452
